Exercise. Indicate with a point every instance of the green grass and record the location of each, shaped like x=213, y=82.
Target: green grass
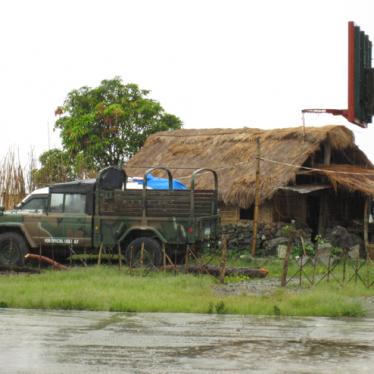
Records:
x=108, y=289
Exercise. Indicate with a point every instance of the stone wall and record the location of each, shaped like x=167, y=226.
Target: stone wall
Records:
x=270, y=235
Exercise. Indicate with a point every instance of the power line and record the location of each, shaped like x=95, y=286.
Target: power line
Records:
x=316, y=169
x=262, y=159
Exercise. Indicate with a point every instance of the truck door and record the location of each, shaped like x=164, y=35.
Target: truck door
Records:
x=33, y=209
x=76, y=222
x=67, y=222
x=51, y=229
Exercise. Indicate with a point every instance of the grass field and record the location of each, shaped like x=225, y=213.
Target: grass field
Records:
x=108, y=289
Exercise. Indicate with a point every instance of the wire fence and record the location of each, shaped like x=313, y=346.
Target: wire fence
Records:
x=340, y=269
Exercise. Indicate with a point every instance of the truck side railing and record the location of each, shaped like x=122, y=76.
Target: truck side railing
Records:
x=193, y=179
x=149, y=171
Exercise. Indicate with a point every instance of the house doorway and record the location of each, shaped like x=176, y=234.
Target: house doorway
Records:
x=313, y=207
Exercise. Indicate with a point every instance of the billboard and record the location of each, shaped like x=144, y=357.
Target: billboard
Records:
x=360, y=77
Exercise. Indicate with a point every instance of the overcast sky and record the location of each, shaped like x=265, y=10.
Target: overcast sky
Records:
x=228, y=63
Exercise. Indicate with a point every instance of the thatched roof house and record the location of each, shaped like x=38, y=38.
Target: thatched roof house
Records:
x=329, y=156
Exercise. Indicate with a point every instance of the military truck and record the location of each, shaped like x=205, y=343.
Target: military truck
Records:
x=85, y=216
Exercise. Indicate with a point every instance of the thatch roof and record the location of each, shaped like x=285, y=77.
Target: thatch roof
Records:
x=351, y=177
x=232, y=152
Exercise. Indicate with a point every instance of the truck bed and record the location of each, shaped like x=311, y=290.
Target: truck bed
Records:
x=158, y=203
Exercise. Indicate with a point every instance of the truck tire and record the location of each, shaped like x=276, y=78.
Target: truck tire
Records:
x=152, y=255
x=13, y=248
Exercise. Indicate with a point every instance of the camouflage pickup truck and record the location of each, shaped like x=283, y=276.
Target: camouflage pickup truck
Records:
x=86, y=215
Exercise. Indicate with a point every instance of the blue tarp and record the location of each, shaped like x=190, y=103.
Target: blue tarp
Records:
x=163, y=183
x=159, y=183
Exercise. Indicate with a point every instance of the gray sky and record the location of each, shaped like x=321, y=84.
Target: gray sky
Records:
x=212, y=63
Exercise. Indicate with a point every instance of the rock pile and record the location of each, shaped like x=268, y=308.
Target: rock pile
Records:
x=271, y=235
x=339, y=236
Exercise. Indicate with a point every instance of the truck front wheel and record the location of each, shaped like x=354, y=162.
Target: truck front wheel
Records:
x=13, y=248
x=148, y=254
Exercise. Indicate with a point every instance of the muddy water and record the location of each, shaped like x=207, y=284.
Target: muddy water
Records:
x=95, y=342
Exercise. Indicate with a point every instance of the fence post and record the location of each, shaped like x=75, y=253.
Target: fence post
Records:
x=100, y=253
x=344, y=265
x=142, y=254
x=71, y=254
x=285, y=263
x=119, y=256
x=301, y=259
x=40, y=256
x=316, y=254
x=187, y=258
x=164, y=256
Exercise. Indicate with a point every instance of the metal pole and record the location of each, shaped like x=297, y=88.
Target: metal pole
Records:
x=257, y=197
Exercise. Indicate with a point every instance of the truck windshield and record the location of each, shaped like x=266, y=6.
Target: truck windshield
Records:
x=36, y=203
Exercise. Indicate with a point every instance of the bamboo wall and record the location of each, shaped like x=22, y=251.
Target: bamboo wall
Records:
x=231, y=214
x=289, y=206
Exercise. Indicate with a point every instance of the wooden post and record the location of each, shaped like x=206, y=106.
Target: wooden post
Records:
x=142, y=254
x=40, y=256
x=186, y=265
x=366, y=226
x=323, y=203
x=366, y=239
x=119, y=257
x=285, y=263
x=301, y=259
x=70, y=257
x=345, y=265
x=100, y=253
x=257, y=197
x=131, y=256
x=327, y=151
x=164, y=256
x=316, y=255
x=222, y=269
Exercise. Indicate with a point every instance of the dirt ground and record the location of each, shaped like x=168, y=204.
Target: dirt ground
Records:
x=269, y=285
x=264, y=286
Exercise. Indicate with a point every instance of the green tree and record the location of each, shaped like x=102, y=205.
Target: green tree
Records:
x=106, y=125
x=55, y=166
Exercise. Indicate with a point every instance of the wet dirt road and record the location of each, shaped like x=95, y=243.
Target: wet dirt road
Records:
x=33, y=341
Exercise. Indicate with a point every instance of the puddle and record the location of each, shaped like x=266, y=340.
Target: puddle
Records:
x=35, y=341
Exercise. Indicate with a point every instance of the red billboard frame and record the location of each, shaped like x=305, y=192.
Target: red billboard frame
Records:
x=360, y=80
x=350, y=113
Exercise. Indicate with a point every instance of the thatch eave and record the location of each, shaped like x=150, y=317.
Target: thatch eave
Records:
x=349, y=177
